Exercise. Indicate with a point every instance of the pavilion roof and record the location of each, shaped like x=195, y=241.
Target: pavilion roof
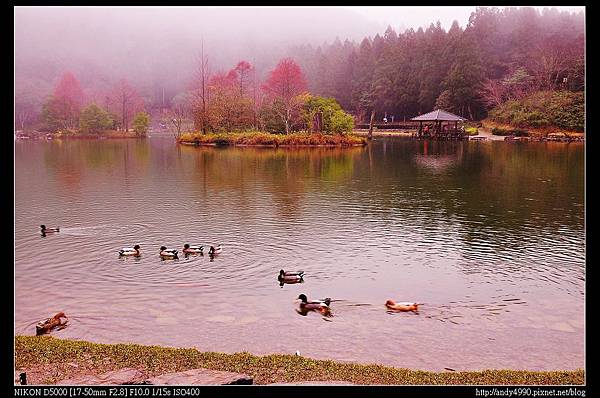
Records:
x=439, y=114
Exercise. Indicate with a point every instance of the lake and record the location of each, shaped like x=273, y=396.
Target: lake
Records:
x=488, y=236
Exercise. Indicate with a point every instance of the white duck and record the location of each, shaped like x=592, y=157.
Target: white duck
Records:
x=130, y=251
x=168, y=253
x=193, y=249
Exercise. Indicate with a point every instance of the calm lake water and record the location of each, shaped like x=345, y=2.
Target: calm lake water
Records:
x=489, y=236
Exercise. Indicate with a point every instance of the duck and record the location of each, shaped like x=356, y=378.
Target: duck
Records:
x=214, y=250
x=168, y=253
x=187, y=249
x=322, y=306
x=49, y=230
x=290, y=277
x=313, y=305
x=392, y=305
x=130, y=251
x=47, y=325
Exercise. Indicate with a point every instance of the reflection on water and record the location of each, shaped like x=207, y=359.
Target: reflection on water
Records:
x=489, y=236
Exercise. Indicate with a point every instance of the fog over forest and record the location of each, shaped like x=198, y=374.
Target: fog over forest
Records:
x=157, y=48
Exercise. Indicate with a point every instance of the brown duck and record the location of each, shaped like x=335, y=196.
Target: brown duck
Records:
x=47, y=325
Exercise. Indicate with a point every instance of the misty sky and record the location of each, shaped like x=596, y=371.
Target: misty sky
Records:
x=153, y=45
x=415, y=16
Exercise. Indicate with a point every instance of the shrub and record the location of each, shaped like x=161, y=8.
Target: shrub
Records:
x=94, y=119
x=471, y=131
x=335, y=120
x=563, y=109
x=141, y=121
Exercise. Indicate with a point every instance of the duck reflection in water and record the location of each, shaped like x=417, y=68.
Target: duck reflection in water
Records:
x=290, y=277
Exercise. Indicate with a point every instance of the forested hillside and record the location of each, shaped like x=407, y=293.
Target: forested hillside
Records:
x=501, y=55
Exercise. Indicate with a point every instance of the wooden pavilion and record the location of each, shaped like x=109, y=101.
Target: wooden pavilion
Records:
x=443, y=125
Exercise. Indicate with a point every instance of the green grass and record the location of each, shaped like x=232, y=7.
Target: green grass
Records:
x=38, y=351
x=543, y=109
x=258, y=138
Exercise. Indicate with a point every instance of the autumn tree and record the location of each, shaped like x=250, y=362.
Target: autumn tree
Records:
x=283, y=90
x=243, y=72
x=62, y=109
x=223, y=91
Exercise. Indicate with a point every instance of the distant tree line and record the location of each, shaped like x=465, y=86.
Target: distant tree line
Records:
x=69, y=109
x=501, y=55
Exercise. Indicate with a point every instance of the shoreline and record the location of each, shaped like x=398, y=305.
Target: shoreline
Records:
x=382, y=133
x=533, y=131
x=212, y=144
x=77, y=136
x=48, y=360
x=270, y=140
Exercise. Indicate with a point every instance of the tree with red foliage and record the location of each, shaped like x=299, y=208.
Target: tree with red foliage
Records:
x=230, y=106
x=69, y=90
x=284, y=88
x=222, y=90
x=125, y=101
x=243, y=70
x=63, y=108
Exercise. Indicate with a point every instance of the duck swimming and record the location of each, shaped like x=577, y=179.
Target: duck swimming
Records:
x=187, y=249
x=213, y=251
x=47, y=325
x=313, y=305
x=130, y=251
x=168, y=253
x=49, y=230
x=392, y=305
x=290, y=277
x=321, y=306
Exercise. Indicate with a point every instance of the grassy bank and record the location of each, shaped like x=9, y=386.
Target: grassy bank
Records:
x=48, y=360
x=103, y=134
x=257, y=138
x=543, y=112
x=497, y=128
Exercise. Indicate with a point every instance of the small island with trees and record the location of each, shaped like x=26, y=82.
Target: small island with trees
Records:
x=228, y=110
